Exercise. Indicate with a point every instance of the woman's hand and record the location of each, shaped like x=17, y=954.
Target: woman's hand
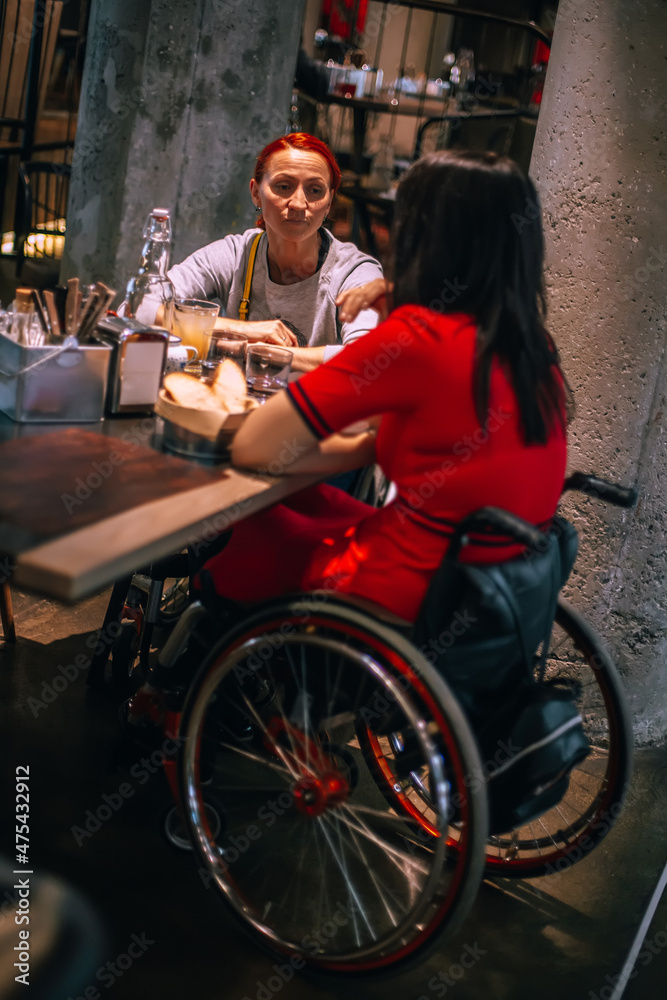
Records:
x=372, y=295
x=268, y=331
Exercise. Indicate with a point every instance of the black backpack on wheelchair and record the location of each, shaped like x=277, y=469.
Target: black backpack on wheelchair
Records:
x=486, y=629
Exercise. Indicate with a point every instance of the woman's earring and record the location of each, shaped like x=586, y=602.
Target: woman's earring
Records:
x=258, y=208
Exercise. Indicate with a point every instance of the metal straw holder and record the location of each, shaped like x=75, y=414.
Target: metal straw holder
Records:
x=53, y=383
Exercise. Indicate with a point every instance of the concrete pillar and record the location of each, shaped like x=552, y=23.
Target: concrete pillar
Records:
x=600, y=160
x=178, y=97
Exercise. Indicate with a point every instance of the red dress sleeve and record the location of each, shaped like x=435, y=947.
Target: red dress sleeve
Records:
x=379, y=373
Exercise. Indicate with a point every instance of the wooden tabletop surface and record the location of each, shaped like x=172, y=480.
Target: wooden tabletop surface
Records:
x=79, y=509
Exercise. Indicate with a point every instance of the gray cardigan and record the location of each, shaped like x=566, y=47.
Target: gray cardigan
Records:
x=308, y=307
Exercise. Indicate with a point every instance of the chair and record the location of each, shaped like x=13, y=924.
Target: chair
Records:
x=491, y=131
x=369, y=206
x=39, y=225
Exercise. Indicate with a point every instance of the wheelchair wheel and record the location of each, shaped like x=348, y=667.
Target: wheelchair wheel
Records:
x=597, y=786
x=313, y=858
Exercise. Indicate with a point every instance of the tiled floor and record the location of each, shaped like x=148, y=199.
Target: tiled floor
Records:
x=561, y=938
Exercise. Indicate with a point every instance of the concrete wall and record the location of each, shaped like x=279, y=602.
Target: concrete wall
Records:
x=600, y=160
x=178, y=97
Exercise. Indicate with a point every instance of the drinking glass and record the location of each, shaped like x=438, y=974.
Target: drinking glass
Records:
x=267, y=368
x=221, y=345
x=193, y=319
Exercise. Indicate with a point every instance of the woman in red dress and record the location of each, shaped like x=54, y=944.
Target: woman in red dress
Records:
x=459, y=391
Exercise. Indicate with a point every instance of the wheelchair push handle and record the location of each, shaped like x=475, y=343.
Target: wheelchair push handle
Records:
x=601, y=489
x=499, y=521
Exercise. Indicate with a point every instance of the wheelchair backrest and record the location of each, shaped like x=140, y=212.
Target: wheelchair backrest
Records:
x=480, y=625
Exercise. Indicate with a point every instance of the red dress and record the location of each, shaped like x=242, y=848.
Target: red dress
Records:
x=416, y=369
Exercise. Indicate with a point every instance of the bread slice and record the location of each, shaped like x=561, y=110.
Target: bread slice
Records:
x=229, y=386
x=186, y=390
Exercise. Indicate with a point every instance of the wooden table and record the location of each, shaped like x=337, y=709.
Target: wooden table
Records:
x=80, y=508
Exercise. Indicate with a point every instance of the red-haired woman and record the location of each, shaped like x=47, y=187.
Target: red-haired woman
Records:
x=299, y=269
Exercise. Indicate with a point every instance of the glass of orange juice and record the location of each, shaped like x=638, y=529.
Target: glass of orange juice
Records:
x=193, y=320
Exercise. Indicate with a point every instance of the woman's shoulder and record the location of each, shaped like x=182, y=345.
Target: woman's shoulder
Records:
x=227, y=251
x=239, y=240
x=430, y=322
x=211, y=269
x=249, y=235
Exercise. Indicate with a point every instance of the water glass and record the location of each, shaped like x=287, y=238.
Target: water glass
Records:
x=223, y=345
x=193, y=319
x=267, y=368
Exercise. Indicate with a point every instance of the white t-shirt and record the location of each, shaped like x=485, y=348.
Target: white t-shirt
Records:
x=308, y=307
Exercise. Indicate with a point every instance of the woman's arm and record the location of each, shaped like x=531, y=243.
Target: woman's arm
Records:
x=266, y=331
x=273, y=331
x=305, y=359
x=275, y=439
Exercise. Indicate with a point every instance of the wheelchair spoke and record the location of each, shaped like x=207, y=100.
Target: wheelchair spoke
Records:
x=300, y=708
x=286, y=728
x=394, y=854
x=383, y=815
x=340, y=861
x=381, y=889
x=240, y=751
x=401, y=861
x=568, y=826
x=306, y=833
x=279, y=750
x=536, y=840
x=305, y=707
x=357, y=926
x=324, y=897
x=321, y=868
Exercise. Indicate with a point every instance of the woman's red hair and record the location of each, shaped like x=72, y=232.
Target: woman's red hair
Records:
x=297, y=140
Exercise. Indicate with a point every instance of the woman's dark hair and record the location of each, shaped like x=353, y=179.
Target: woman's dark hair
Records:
x=468, y=238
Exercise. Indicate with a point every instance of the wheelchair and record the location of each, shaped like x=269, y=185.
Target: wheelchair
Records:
x=332, y=787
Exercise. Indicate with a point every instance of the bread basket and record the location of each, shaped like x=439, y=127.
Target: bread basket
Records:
x=198, y=433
